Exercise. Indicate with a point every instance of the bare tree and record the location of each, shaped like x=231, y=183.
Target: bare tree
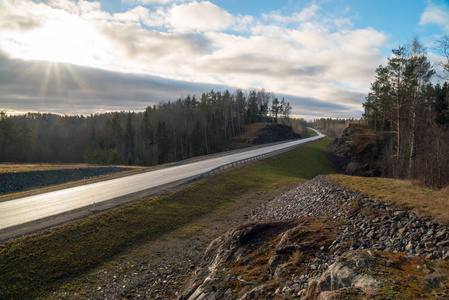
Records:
x=442, y=46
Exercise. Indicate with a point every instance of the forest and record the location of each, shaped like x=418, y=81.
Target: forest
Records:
x=408, y=109
x=333, y=127
x=167, y=132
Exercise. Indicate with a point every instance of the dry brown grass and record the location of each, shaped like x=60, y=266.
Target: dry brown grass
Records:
x=13, y=168
x=403, y=279
x=248, y=131
x=423, y=201
x=251, y=130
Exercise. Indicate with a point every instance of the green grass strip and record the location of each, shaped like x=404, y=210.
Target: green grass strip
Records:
x=34, y=265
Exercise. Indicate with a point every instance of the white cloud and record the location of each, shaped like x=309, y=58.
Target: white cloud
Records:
x=305, y=62
x=199, y=16
x=320, y=57
x=306, y=14
x=436, y=14
x=60, y=35
x=156, y=2
x=25, y=19
x=137, y=14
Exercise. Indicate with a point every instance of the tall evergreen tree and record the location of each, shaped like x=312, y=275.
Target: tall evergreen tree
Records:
x=8, y=132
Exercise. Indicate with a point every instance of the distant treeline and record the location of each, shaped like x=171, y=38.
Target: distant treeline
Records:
x=333, y=127
x=167, y=132
x=410, y=115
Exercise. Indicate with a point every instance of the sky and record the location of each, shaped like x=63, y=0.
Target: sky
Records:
x=83, y=57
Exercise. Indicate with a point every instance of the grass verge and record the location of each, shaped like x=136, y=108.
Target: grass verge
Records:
x=311, y=133
x=423, y=201
x=34, y=265
x=19, y=167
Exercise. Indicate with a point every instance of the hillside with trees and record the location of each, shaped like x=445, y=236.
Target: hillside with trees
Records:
x=333, y=127
x=167, y=132
x=409, y=115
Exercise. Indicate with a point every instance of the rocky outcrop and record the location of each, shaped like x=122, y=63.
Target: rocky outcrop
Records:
x=321, y=241
x=352, y=153
x=339, y=276
x=273, y=133
x=234, y=248
x=254, y=259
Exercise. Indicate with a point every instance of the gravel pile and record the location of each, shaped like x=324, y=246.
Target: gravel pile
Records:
x=316, y=197
x=369, y=224
x=365, y=223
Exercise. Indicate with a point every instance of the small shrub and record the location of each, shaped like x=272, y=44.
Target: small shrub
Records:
x=343, y=223
x=115, y=157
x=366, y=211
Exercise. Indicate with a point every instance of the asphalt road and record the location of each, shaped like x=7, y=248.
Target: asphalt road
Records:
x=32, y=208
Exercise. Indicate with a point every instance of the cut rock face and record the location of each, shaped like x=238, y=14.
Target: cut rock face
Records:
x=339, y=276
x=255, y=260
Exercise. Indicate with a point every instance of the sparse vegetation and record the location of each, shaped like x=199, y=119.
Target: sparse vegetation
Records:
x=405, y=280
x=261, y=133
x=13, y=168
x=424, y=201
x=343, y=223
x=366, y=211
x=33, y=265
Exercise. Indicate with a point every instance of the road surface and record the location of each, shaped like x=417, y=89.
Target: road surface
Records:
x=32, y=208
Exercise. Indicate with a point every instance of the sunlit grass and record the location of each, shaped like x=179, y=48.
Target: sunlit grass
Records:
x=422, y=200
x=33, y=265
x=13, y=168
x=311, y=133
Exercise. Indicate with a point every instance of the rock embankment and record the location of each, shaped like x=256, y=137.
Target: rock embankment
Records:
x=323, y=241
x=23, y=181
x=273, y=133
x=354, y=152
x=370, y=224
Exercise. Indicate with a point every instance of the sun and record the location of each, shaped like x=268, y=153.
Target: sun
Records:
x=65, y=38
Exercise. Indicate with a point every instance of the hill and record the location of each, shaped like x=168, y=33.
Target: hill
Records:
x=260, y=133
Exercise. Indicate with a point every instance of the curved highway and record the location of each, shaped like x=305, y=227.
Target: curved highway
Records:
x=32, y=208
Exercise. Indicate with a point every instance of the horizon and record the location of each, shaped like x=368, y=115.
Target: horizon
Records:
x=82, y=58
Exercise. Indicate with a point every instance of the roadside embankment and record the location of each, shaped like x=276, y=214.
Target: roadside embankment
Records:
x=61, y=261
x=14, y=182
x=323, y=240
